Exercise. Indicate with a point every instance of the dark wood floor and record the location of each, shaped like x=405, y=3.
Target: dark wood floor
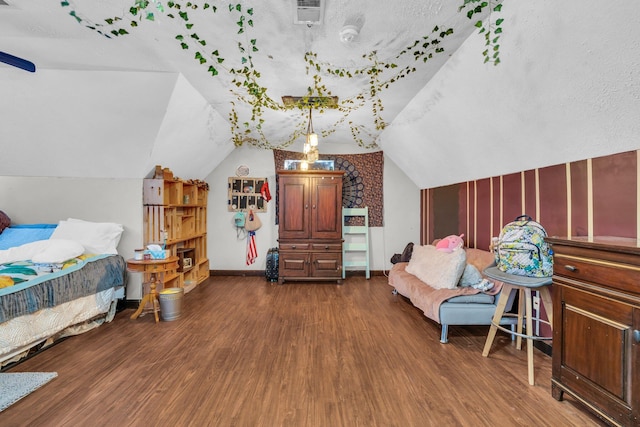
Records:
x=247, y=352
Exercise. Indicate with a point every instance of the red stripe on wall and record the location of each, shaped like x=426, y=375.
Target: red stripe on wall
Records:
x=511, y=197
x=463, y=207
x=470, y=217
x=426, y=213
x=553, y=200
x=432, y=220
x=530, y=193
x=614, y=195
x=483, y=218
x=579, y=207
x=497, y=224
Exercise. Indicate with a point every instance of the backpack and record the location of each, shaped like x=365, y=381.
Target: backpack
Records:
x=522, y=250
x=239, y=219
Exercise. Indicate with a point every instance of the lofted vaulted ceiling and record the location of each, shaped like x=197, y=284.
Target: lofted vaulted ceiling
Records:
x=116, y=106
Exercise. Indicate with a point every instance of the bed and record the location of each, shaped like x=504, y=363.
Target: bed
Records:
x=56, y=280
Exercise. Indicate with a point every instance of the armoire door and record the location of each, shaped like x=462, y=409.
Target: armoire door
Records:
x=326, y=207
x=293, y=215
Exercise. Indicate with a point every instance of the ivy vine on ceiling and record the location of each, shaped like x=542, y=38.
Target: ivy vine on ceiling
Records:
x=380, y=74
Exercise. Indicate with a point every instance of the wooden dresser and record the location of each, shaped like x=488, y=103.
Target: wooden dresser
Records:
x=310, y=225
x=596, y=325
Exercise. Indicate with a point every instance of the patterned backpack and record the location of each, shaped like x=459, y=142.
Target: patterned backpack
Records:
x=522, y=250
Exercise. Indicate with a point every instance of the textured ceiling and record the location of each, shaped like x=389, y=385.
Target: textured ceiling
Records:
x=566, y=86
x=43, y=32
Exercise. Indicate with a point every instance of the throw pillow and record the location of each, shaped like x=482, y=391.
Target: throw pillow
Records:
x=96, y=237
x=5, y=221
x=440, y=270
x=470, y=276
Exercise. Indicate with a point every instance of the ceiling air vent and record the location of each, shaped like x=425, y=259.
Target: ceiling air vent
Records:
x=308, y=12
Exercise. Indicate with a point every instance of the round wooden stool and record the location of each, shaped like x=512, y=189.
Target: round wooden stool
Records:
x=524, y=285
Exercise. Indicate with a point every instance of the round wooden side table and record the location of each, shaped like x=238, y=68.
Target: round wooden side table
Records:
x=524, y=285
x=151, y=269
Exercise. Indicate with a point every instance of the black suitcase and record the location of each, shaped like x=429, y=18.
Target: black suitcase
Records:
x=271, y=272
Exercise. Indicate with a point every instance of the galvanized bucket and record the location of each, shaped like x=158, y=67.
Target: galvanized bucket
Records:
x=171, y=303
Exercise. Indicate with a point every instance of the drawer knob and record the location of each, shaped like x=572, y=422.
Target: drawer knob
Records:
x=571, y=268
x=326, y=247
x=636, y=336
x=293, y=246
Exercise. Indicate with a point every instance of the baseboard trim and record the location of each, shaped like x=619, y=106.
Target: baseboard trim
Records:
x=261, y=273
x=236, y=273
x=543, y=347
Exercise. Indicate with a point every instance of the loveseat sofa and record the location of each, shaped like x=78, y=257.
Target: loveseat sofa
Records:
x=462, y=305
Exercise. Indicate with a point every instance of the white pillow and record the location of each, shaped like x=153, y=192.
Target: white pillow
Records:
x=43, y=251
x=96, y=237
x=438, y=269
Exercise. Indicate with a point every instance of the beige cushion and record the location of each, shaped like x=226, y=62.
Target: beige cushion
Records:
x=438, y=269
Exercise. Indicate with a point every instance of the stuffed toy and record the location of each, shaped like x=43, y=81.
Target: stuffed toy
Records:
x=450, y=243
x=484, y=285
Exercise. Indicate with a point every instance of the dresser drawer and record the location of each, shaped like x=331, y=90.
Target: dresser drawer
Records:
x=329, y=247
x=298, y=246
x=624, y=277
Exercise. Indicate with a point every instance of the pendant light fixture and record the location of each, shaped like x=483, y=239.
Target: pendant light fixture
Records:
x=311, y=153
x=310, y=150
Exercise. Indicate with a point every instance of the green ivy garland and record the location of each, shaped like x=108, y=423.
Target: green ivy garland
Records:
x=491, y=29
x=246, y=78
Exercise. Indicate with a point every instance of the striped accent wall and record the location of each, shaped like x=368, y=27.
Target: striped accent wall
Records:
x=593, y=197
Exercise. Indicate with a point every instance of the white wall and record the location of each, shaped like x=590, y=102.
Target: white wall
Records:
x=29, y=200
x=227, y=252
x=51, y=199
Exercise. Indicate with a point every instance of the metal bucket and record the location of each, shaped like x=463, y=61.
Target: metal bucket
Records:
x=171, y=303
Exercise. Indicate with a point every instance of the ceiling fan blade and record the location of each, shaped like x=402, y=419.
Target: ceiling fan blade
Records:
x=17, y=62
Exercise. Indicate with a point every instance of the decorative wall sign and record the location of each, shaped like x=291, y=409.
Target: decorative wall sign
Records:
x=242, y=170
x=245, y=193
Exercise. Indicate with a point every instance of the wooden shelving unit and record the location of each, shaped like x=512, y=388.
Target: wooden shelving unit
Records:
x=175, y=214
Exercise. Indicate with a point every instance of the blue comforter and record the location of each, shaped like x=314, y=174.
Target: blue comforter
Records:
x=86, y=277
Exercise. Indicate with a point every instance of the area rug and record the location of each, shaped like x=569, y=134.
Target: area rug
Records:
x=15, y=386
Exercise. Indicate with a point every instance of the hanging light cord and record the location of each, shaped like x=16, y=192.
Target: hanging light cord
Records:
x=310, y=124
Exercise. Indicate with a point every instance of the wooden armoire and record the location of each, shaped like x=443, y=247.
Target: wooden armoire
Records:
x=310, y=225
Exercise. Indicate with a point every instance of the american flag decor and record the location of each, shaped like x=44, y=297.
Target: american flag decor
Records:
x=252, y=251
